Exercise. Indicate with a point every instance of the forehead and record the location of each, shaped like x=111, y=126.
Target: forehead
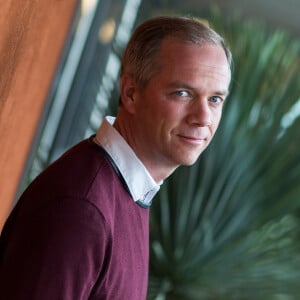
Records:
x=177, y=58
x=173, y=49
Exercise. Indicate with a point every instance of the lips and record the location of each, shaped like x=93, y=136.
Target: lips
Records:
x=196, y=140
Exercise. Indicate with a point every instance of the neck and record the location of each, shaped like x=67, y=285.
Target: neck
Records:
x=157, y=171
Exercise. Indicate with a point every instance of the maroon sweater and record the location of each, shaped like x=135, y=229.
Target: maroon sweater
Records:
x=76, y=234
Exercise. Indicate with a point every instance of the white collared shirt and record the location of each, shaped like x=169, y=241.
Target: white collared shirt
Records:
x=140, y=183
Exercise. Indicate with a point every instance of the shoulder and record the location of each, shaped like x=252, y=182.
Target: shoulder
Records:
x=81, y=176
x=73, y=173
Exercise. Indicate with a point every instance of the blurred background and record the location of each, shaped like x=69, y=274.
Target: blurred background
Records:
x=227, y=228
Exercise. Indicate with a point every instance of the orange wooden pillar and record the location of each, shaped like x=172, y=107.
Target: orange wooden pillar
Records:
x=32, y=36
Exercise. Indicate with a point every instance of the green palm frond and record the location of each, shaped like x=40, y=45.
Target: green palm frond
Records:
x=228, y=227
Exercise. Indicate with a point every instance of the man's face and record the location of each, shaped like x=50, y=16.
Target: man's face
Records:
x=179, y=109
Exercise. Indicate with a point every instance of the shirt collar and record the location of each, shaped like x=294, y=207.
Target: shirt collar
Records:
x=140, y=183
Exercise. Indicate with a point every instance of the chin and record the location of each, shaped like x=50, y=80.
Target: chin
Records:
x=190, y=159
x=189, y=162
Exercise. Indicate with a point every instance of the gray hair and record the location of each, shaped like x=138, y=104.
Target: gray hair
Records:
x=140, y=56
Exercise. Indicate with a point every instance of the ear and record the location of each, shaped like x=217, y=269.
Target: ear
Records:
x=128, y=92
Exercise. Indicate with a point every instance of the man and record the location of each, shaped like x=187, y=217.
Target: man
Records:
x=80, y=231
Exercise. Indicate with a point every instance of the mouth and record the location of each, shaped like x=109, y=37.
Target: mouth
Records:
x=193, y=140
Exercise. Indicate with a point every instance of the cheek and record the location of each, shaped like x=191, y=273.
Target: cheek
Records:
x=162, y=114
x=163, y=121
x=171, y=118
x=217, y=119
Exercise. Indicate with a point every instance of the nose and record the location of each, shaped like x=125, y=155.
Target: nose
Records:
x=200, y=113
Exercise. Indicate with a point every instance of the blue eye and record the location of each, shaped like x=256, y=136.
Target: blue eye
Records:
x=182, y=93
x=215, y=99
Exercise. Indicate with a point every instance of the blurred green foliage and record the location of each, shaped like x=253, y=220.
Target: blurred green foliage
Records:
x=228, y=227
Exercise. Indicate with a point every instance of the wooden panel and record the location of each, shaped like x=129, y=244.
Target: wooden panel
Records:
x=32, y=35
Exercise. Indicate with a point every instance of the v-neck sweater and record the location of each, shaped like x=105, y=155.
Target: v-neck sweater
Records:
x=76, y=234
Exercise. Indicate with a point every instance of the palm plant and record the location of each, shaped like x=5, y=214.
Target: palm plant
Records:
x=228, y=227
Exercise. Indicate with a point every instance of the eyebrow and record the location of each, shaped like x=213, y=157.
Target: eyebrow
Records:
x=222, y=93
